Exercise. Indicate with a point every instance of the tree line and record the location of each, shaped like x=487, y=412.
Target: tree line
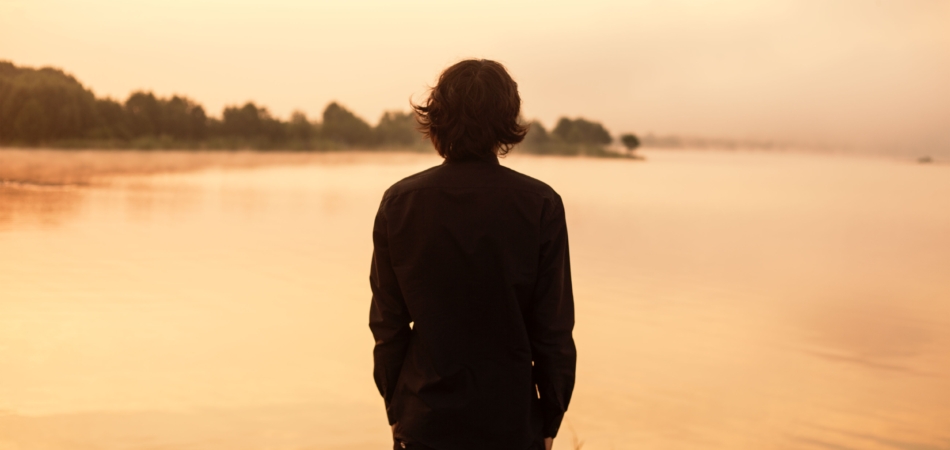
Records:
x=47, y=107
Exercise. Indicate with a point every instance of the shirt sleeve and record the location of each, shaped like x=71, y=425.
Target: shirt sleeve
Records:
x=388, y=317
x=551, y=320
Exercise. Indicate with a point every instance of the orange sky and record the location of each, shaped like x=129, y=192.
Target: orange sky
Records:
x=865, y=73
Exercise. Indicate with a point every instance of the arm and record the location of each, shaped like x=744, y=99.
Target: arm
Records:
x=551, y=320
x=388, y=317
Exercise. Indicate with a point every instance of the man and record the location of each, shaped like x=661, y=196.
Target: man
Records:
x=472, y=306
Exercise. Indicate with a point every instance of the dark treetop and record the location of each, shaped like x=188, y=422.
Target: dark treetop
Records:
x=472, y=308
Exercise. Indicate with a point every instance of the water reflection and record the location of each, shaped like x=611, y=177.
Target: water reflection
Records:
x=733, y=300
x=40, y=204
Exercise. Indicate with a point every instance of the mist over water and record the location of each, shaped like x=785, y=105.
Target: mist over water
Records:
x=724, y=300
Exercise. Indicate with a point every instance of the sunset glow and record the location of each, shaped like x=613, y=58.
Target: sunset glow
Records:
x=859, y=73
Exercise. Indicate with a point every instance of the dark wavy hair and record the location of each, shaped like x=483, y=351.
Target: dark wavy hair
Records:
x=473, y=111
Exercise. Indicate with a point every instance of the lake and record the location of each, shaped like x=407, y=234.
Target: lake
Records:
x=724, y=300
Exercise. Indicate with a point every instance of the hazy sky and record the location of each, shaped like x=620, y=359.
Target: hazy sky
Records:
x=866, y=73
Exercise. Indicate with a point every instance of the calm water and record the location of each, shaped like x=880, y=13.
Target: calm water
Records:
x=724, y=300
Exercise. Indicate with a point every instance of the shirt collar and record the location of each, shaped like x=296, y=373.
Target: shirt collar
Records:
x=491, y=159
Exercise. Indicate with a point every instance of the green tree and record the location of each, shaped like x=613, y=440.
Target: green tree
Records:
x=113, y=121
x=182, y=118
x=537, y=135
x=62, y=106
x=581, y=131
x=177, y=117
x=341, y=125
x=300, y=127
x=397, y=128
x=31, y=124
x=254, y=124
x=144, y=113
x=245, y=121
x=630, y=141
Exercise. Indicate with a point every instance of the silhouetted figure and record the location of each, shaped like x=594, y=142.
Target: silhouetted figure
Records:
x=472, y=305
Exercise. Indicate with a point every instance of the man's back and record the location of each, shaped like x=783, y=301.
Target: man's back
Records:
x=475, y=256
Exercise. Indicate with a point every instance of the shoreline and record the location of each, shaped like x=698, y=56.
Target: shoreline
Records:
x=50, y=167
x=29, y=167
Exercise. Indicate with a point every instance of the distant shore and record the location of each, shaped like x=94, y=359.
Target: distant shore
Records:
x=48, y=108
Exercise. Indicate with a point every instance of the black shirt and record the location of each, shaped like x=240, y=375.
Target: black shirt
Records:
x=472, y=308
